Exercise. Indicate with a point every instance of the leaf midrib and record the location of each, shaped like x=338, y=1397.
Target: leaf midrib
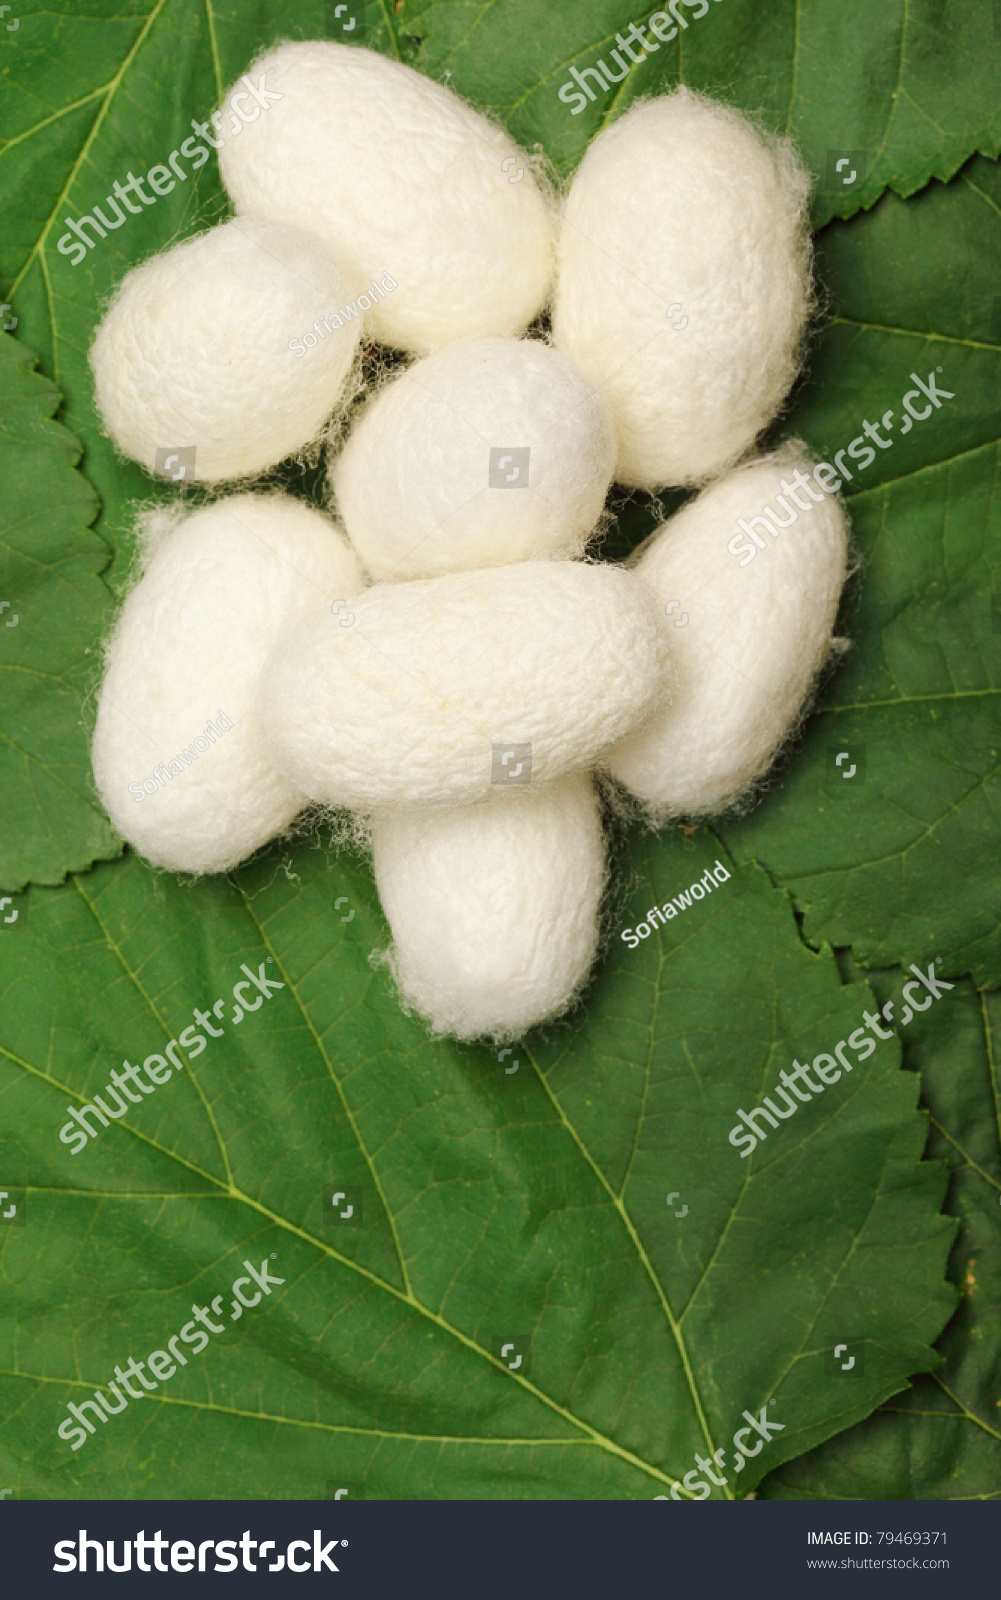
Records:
x=637, y=1244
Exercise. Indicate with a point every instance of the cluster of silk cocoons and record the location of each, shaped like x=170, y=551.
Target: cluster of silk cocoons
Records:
x=437, y=652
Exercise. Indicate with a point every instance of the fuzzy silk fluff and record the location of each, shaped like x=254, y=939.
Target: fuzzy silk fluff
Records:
x=413, y=481
x=397, y=174
x=194, y=350
x=493, y=907
x=682, y=204
x=404, y=707
x=756, y=637
x=219, y=587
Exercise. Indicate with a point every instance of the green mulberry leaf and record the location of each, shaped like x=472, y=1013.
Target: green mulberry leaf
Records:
x=903, y=861
x=941, y=1440
x=559, y=1279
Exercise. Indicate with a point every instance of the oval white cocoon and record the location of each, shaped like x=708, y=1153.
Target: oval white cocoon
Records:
x=493, y=907
x=219, y=587
x=758, y=631
x=194, y=350
x=683, y=283
x=489, y=451
x=436, y=682
x=397, y=175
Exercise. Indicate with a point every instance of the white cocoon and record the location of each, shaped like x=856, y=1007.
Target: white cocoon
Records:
x=219, y=587
x=397, y=175
x=683, y=283
x=493, y=907
x=194, y=350
x=759, y=629
x=428, y=483
x=418, y=701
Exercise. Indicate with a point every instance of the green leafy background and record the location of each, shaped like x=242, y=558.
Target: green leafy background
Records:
x=531, y=1204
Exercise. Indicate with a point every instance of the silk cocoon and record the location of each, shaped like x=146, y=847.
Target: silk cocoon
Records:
x=405, y=706
x=493, y=907
x=683, y=283
x=756, y=637
x=397, y=174
x=220, y=586
x=194, y=350
x=434, y=477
